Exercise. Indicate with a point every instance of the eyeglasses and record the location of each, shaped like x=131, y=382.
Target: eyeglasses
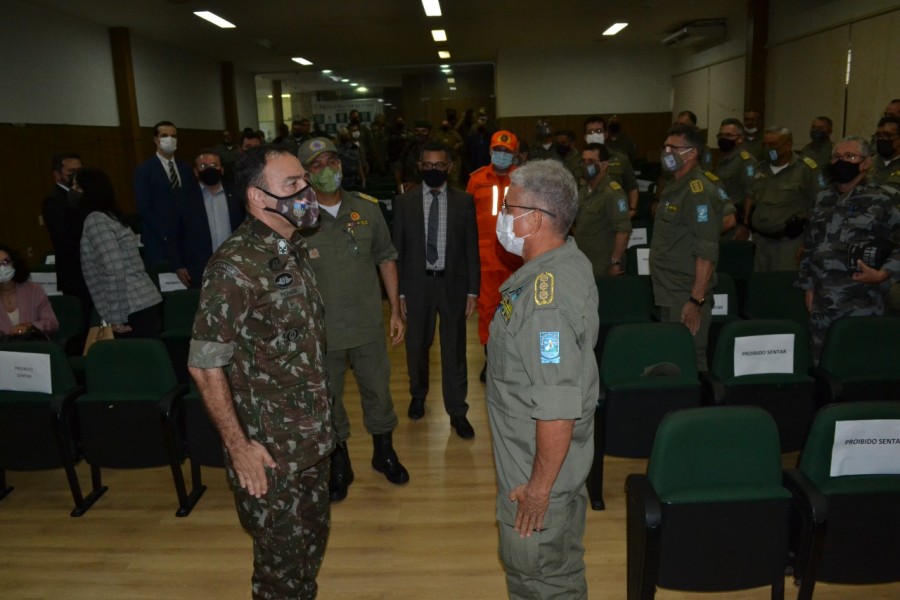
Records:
x=847, y=156
x=596, y=130
x=671, y=147
x=6, y=262
x=440, y=166
x=506, y=208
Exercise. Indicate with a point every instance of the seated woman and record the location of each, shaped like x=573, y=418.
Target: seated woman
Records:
x=123, y=293
x=25, y=305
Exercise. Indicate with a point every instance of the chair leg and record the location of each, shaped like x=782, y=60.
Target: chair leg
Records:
x=97, y=490
x=82, y=504
x=4, y=489
x=595, y=475
x=186, y=502
x=778, y=589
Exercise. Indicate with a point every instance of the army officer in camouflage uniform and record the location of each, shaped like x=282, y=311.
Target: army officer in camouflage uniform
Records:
x=258, y=357
x=685, y=246
x=542, y=388
x=852, y=245
x=352, y=238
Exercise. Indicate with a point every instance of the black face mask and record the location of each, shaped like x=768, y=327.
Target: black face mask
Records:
x=210, y=177
x=817, y=135
x=885, y=148
x=562, y=149
x=434, y=178
x=615, y=128
x=300, y=210
x=843, y=171
x=726, y=145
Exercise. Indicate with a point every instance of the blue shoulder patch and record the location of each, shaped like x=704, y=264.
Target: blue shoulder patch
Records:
x=702, y=213
x=751, y=171
x=623, y=206
x=549, y=341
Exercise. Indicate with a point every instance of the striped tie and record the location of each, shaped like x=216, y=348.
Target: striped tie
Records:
x=173, y=176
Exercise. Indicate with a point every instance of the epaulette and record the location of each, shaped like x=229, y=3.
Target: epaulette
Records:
x=745, y=155
x=810, y=162
x=543, y=288
x=615, y=185
x=696, y=186
x=365, y=197
x=711, y=176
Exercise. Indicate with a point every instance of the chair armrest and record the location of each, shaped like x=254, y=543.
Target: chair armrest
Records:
x=601, y=397
x=713, y=388
x=827, y=385
x=811, y=502
x=640, y=493
x=171, y=401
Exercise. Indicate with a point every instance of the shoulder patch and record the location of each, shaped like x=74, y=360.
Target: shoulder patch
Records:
x=543, y=289
x=696, y=186
x=745, y=155
x=711, y=176
x=614, y=185
x=623, y=206
x=224, y=267
x=810, y=162
x=366, y=197
x=702, y=213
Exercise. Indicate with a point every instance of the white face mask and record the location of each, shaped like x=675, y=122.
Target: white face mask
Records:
x=507, y=236
x=355, y=135
x=168, y=144
x=595, y=138
x=6, y=273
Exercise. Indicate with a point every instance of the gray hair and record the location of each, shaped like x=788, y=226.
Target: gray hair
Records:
x=781, y=131
x=863, y=144
x=552, y=187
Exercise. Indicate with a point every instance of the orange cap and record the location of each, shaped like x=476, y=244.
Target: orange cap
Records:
x=505, y=139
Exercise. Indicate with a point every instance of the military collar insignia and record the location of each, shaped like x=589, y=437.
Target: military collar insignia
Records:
x=544, y=289
x=696, y=186
x=282, y=247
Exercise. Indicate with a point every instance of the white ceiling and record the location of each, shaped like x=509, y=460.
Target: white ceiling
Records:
x=374, y=41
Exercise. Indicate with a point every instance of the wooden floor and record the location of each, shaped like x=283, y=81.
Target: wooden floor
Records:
x=433, y=538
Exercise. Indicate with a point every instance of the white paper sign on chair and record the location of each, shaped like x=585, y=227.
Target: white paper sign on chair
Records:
x=869, y=447
x=764, y=354
x=25, y=372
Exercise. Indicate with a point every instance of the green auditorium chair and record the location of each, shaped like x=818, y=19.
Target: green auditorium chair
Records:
x=788, y=396
x=130, y=416
x=37, y=429
x=711, y=513
x=773, y=295
x=847, y=526
x=622, y=299
x=72, y=328
x=632, y=259
x=204, y=446
x=725, y=310
x=178, y=311
x=860, y=360
x=646, y=371
x=736, y=259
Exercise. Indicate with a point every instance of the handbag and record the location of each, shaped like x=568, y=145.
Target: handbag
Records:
x=32, y=335
x=97, y=334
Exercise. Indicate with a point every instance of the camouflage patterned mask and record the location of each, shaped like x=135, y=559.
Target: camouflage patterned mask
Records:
x=300, y=210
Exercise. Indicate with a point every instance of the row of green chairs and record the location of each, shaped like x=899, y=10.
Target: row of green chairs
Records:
x=132, y=413
x=715, y=512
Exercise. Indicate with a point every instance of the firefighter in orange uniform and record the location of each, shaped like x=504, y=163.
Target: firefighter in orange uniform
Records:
x=488, y=185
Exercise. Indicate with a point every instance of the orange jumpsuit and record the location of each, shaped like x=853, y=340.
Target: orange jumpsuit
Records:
x=497, y=264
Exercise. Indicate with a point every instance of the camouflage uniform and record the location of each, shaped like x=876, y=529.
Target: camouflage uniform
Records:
x=261, y=319
x=602, y=213
x=866, y=213
x=777, y=198
x=687, y=226
x=343, y=252
x=885, y=173
x=541, y=366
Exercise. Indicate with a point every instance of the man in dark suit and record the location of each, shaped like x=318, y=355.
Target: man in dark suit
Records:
x=207, y=211
x=64, y=223
x=155, y=184
x=436, y=238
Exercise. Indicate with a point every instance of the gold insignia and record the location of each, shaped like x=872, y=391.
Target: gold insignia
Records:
x=745, y=155
x=504, y=138
x=366, y=197
x=812, y=164
x=614, y=185
x=543, y=289
x=696, y=186
x=506, y=308
x=711, y=176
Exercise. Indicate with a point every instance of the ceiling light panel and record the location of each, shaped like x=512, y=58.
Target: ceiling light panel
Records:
x=439, y=35
x=215, y=19
x=615, y=28
x=432, y=8
x=301, y=60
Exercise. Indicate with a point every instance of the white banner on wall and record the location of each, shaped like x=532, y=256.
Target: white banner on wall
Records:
x=334, y=114
x=870, y=447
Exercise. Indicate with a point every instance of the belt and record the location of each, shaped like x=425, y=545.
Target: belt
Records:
x=771, y=236
x=432, y=273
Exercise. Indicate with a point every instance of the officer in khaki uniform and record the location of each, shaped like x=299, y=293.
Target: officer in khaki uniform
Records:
x=602, y=225
x=885, y=168
x=784, y=190
x=258, y=357
x=352, y=239
x=819, y=146
x=542, y=388
x=736, y=170
x=685, y=246
x=619, y=167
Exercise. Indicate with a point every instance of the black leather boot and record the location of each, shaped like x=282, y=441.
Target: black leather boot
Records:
x=384, y=459
x=341, y=473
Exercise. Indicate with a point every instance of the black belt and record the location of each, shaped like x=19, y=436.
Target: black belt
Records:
x=431, y=273
x=771, y=236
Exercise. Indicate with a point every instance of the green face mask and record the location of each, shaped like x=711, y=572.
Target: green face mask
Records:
x=326, y=181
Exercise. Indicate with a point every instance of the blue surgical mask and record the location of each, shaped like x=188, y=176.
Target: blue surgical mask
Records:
x=773, y=154
x=590, y=171
x=501, y=160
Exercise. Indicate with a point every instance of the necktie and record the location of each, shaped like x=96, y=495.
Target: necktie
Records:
x=173, y=176
x=431, y=251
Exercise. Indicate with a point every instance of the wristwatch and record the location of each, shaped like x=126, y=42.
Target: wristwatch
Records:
x=699, y=302
x=615, y=261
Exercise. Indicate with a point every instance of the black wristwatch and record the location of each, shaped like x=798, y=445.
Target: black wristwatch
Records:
x=699, y=302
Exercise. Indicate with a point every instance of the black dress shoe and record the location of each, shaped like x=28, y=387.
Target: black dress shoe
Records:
x=385, y=460
x=463, y=427
x=416, y=409
x=341, y=473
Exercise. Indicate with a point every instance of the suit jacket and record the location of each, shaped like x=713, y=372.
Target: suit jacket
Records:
x=156, y=204
x=462, y=268
x=189, y=243
x=64, y=223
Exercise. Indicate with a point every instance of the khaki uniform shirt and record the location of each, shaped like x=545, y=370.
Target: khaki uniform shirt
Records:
x=736, y=174
x=541, y=366
x=755, y=147
x=820, y=152
x=687, y=225
x=261, y=318
x=344, y=252
x=885, y=173
x=789, y=193
x=602, y=213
